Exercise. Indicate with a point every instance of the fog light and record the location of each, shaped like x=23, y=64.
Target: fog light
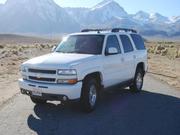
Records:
x=24, y=77
x=22, y=91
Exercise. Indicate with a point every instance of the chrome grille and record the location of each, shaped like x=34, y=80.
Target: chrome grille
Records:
x=42, y=75
x=42, y=71
x=42, y=79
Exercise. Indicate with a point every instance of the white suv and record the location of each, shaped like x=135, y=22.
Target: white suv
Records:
x=84, y=64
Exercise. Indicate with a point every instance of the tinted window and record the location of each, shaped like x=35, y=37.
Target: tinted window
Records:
x=126, y=43
x=138, y=41
x=112, y=41
x=85, y=44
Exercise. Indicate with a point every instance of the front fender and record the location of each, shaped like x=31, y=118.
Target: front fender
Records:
x=83, y=73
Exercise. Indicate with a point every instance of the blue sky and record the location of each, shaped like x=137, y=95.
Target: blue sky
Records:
x=164, y=7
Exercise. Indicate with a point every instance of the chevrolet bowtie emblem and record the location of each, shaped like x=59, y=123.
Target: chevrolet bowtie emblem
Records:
x=38, y=76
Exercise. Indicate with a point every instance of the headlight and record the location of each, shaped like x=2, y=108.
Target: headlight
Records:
x=71, y=76
x=66, y=72
x=23, y=69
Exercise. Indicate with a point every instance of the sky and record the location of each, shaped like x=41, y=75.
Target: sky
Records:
x=165, y=7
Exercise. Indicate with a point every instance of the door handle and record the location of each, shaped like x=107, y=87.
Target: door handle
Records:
x=122, y=59
x=134, y=56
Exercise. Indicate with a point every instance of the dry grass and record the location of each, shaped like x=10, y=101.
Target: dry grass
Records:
x=169, y=49
x=12, y=54
x=164, y=61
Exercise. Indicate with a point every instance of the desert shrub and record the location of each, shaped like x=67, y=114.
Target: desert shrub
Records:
x=14, y=47
x=1, y=46
x=13, y=63
x=168, y=42
x=42, y=46
x=160, y=47
x=157, y=49
x=3, y=52
x=164, y=52
x=20, y=49
x=15, y=52
x=178, y=53
x=151, y=50
x=171, y=46
x=172, y=53
x=157, y=52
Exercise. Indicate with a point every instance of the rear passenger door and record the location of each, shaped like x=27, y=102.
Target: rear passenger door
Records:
x=128, y=57
x=141, y=52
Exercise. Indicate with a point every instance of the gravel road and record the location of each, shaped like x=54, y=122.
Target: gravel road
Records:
x=154, y=111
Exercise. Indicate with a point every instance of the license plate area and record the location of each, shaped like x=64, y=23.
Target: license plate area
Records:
x=37, y=92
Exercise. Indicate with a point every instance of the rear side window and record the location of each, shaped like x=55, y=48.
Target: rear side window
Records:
x=112, y=41
x=126, y=43
x=138, y=41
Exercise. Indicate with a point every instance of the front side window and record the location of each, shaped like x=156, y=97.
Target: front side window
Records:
x=112, y=41
x=82, y=44
x=126, y=43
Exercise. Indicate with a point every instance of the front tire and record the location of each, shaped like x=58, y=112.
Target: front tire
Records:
x=38, y=100
x=89, y=96
x=138, y=81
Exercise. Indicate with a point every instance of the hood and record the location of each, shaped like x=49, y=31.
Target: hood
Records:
x=58, y=60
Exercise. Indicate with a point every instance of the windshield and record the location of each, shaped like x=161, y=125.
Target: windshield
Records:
x=84, y=44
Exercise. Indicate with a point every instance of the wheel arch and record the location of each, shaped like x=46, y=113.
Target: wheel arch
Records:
x=97, y=75
x=142, y=66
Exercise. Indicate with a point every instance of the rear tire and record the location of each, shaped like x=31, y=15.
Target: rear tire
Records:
x=38, y=100
x=138, y=80
x=89, y=96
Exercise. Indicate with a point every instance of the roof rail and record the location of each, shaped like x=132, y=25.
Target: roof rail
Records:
x=112, y=30
x=123, y=29
x=98, y=30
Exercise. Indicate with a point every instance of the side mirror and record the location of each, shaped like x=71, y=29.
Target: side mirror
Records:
x=53, y=49
x=112, y=51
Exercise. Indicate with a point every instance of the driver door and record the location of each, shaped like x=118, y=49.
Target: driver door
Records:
x=113, y=67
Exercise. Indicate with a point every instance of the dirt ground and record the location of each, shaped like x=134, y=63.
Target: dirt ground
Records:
x=14, y=50
x=164, y=61
x=165, y=69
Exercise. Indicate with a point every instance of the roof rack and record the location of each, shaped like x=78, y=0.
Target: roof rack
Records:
x=98, y=30
x=112, y=30
x=123, y=29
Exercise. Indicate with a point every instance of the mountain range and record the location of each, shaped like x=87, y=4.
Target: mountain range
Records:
x=45, y=16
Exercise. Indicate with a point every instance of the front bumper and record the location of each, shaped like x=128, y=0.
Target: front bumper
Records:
x=72, y=92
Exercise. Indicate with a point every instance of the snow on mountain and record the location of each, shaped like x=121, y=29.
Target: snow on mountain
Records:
x=110, y=7
x=141, y=16
x=45, y=16
x=107, y=10
x=158, y=18
x=154, y=18
x=175, y=19
x=39, y=16
x=79, y=14
x=102, y=4
x=101, y=14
